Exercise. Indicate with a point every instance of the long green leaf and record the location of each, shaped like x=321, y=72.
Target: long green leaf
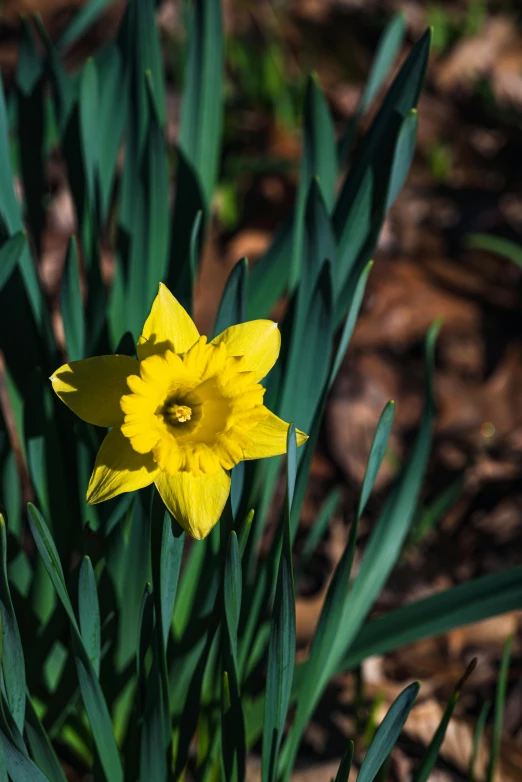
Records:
x=13, y=668
x=41, y=748
x=202, y=107
x=500, y=698
x=346, y=764
x=72, y=306
x=477, y=738
x=430, y=756
x=474, y=601
x=81, y=22
x=394, y=522
x=281, y=650
x=93, y=698
x=10, y=253
x=387, y=733
x=89, y=612
x=19, y=767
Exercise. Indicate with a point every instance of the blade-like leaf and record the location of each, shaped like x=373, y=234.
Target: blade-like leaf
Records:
x=10, y=253
x=94, y=701
x=430, y=756
x=89, y=612
x=387, y=733
x=13, y=668
x=346, y=764
x=500, y=699
x=281, y=650
x=72, y=306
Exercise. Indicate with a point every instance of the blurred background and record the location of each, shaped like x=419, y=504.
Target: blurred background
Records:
x=451, y=248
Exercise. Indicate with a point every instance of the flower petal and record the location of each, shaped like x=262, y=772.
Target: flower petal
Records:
x=119, y=468
x=196, y=502
x=168, y=327
x=258, y=341
x=92, y=388
x=269, y=438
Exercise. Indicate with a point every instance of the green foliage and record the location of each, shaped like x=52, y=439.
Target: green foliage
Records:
x=127, y=641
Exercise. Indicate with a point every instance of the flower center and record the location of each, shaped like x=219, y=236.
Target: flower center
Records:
x=177, y=414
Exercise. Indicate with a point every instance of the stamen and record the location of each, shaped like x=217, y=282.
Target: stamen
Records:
x=177, y=414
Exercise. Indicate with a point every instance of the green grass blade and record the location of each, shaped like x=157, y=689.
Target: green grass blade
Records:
x=387, y=51
x=403, y=155
x=232, y=592
x=232, y=718
x=112, y=91
x=387, y=733
x=319, y=160
x=89, y=612
x=317, y=530
x=72, y=305
x=394, y=521
x=377, y=454
x=92, y=695
x=281, y=650
x=89, y=126
x=41, y=748
x=19, y=767
x=432, y=753
x=477, y=739
x=81, y=22
x=10, y=253
x=475, y=601
x=346, y=764
x=365, y=190
x=232, y=307
x=202, y=107
x=165, y=573
x=352, y=306
x=495, y=244
x=13, y=667
x=500, y=699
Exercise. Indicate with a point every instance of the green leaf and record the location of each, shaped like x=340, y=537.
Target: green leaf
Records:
x=13, y=668
x=112, y=92
x=365, y=190
x=346, y=764
x=95, y=705
x=281, y=650
x=19, y=767
x=83, y=19
x=377, y=454
x=432, y=753
x=495, y=244
x=477, y=738
x=89, y=126
x=387, y=51
x=317, y=530
x=10, y=253
x=387, y=733
x=318, y=161
x=41, y=748
x=475, y=601
x=202, y=106
x=232, y=307
x=500, y=699
x=72, y=305
x=403, y=155
x=166, y=572
x=233, y=721
x=232, y=592
x=393, y=524
x=89, y=611
x=30, y=66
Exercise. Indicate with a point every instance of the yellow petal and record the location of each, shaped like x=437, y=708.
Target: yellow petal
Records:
x=269, y=438
x=168, y=327
x=196, y=502
x=92, y=388
x=119, y=468
x=258, y=341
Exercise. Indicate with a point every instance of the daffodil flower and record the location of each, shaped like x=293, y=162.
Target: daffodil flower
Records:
x=181, y=414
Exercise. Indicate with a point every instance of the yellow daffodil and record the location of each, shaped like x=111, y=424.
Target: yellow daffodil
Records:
x=182, y=414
